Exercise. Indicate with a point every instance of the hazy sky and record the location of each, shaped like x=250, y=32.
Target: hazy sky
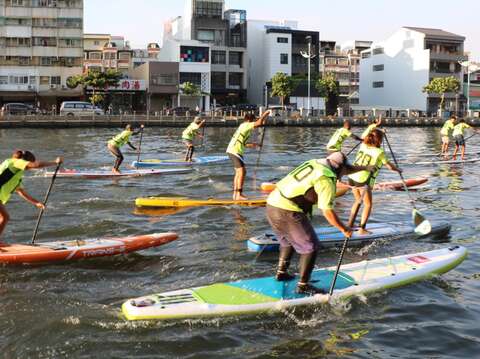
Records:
x=141, y=21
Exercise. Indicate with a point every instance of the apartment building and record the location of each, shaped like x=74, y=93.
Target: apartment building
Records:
x=41, y=43
x=344, y=62
x=394, y=72
x=104, y=52
x=277, y=46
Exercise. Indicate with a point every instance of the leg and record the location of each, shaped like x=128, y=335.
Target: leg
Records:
x=455, y=152
x=192, y=149
x=367, y=210
x=463, y=151
x=356, y=206
x=4, y=218
x=240, y=174
x=115, y=151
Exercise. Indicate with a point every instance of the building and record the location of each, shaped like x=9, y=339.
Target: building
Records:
x=106, y=52
x=277, y=46
x=344, y=62
x=206, y=24
x=142, y=56
x=474, y=88
x=41, y=43
x=394, y=72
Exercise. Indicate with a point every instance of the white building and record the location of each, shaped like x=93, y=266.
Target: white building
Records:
x=41, y=47
x=394, y=72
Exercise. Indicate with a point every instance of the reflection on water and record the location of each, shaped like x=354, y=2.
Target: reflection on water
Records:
x=72, y=310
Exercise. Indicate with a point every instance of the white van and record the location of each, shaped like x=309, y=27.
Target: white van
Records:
x=78, y=108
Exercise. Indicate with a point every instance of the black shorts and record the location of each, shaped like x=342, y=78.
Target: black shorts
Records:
x=355, y=183
x=237, y=161
x=459, y=140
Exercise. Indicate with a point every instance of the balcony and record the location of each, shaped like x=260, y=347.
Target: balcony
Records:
x=448, y=56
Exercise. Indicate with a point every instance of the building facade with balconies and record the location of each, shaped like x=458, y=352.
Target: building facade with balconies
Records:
x=394, y=72
x=106, y=52
x=41, y=43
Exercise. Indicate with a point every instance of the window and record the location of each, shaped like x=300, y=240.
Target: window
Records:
x=282, y=40
x=96, y=43
x=219, y=57
x=46, y=61
x=330, y=61
x=206, y=35
x=343, y=62
x=110, y=55
x=17, y=21
x=378, y=51
x=366, y=55
x=164, y=80
x=235, y=79
x=44, y=80
x=219, y=80
x=17, y=3
x=44, y=41
x=44, y=22
x=377, y=84
x=124, y=56
x=3, y=80
x=207, y=8
x=33, y=80
x=193, y=77
x=235, y=58
x=55, y=80
x=378, y=67
x=19, y=80
x=194, y=54
x=284, y=59
x=95, y=56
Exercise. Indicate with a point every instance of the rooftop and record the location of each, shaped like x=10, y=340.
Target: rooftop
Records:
x=437, y=33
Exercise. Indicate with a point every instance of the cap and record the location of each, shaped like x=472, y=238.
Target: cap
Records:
x=337, y=160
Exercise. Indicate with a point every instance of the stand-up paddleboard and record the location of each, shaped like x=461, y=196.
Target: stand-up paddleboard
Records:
x=207, y=160
x=177, y=202
x=105, y=174
x=343, y=188
x=254, y=296
x=441, y=162
x=50, y=252
x=330, y=236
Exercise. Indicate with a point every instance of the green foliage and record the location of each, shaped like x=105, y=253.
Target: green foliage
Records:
x=190, y=89
x=442, y=85
x=282, y=86
x=97, y=80
x=74, y=81
x=96, y=98
x=328, y=88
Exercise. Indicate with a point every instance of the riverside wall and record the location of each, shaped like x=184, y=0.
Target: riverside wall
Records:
x=177, y=121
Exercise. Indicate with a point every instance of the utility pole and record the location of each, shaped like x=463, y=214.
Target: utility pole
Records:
x=309, y=56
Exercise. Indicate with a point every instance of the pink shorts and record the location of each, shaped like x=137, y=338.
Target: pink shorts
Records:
x=445, y=140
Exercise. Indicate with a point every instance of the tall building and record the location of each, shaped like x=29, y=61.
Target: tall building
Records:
x=41, y=43
x=103, y=52
x=277, y=46
x=344, y=62
x=394, y=72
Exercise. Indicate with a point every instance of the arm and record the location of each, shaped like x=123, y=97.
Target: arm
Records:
x=261, y=121
x=139, y=131
x=332, y=218
x=131, y=146
x=43, y=164
x=391, y=166
x=21, y=192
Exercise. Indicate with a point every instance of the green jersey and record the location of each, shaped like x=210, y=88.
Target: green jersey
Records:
x=121, y=139
x=368, y=156
x=190, y=132
x=447, y=128
x=459, y=129
x=240, y=137
x=11, y=174
x=336, y=141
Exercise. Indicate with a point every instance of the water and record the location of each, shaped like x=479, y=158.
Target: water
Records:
x=72, y=310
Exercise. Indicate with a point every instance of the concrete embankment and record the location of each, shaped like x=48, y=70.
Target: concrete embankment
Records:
x=172, y=121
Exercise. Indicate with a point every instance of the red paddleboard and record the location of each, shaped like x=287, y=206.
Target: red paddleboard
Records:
x=342, y=188
x=49, y=252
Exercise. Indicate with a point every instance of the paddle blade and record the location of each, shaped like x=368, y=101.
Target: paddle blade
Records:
x=422, y=225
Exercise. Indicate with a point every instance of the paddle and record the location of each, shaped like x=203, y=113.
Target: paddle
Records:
x=469, y=137
x=203, y=135
x=345, y=242
x=140, y=145
x=40, y=215
x=354, y=148
x=422, y=225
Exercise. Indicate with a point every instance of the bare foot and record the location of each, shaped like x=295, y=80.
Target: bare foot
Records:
x=239, y=197
x=115, y=171
x=363, y=232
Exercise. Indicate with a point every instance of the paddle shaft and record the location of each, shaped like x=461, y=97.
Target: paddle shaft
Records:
x=203, y=135
x=262, y=138
x=354, y=148
x=140, y=145
x=469, y=137
x=40, y=215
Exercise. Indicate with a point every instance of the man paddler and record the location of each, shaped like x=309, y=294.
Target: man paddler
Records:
x=188, y=136
x=290, y=204
x=236, y=148
x=446, y=133
x=117, y=142
x=336, y=141
x=11, y=174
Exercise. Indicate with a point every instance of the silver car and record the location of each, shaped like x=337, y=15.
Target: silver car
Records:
x=78, y=108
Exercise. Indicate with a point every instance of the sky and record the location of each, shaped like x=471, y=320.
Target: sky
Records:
x=141, y=21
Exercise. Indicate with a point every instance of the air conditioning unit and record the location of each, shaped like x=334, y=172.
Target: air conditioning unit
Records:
x=30, y=87
x=53, y=86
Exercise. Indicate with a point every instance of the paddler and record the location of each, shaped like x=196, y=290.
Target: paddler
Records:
x=336, y=141
x=189, y=134
x=120, y=140
x=376, y=123
x=458, y=136
x=369, y=154
x=446, y=133
x=236, y=148
x=290, y=205
x=11, y=174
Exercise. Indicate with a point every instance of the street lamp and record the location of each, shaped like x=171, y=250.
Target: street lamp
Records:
x=471, y=67
x=308, y=56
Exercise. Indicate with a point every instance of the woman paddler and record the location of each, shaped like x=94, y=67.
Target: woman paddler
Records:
x=118, y=142
x=11, y=174
x=290, y=205
x=236, y=148
x=189, y=134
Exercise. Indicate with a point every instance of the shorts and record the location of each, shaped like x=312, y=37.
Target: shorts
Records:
x=358, y=184
x=293, y=229
x=188, y=143
x=445, y=140
x=237, y=160
x=459, y=140
x=115, y=151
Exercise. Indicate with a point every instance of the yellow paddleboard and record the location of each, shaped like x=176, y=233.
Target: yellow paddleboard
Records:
x=176, y=202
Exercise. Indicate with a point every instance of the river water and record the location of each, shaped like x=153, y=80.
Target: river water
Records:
x=73, y=310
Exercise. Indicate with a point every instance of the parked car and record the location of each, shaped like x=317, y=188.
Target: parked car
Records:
x=78, y=108
x=17, y=109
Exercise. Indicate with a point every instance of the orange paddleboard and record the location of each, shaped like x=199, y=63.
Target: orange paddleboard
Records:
x=50, y=252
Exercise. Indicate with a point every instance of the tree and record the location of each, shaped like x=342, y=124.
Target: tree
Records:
x=190, y=89
x=97, y=81
x=328, y=88
x=282, y=86
x=442, y=85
